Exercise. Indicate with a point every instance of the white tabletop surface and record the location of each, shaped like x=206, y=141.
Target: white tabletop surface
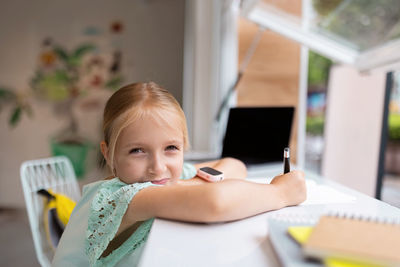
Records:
x=245, y=242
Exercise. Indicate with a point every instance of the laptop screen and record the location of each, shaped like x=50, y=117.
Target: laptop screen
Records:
x=257, y=134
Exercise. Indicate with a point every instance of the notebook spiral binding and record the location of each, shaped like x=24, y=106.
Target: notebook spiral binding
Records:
x=295, y=218
x=311, y=218
x=364, y=217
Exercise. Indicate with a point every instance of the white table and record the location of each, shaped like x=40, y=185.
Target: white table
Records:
x=245, y=242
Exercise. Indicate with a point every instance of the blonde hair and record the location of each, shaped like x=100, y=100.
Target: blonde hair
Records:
x=133, y=102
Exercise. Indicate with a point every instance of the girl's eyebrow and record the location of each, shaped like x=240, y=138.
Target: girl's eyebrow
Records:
x=140, y=144
x=174, y=141
x=133, y=145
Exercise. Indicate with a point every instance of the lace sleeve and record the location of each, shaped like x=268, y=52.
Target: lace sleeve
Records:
x=188, y=171
x=107, y=209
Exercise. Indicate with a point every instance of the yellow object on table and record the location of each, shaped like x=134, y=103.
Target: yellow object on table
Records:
x=301, y=234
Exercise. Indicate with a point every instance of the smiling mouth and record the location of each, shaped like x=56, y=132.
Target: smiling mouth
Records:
x=162, y=181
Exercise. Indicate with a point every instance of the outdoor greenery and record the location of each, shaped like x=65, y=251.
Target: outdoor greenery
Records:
x=318, y=75
x=315, y=125
x=394, y=126
x=318, y=69
x=352, y=22
x=324, y=7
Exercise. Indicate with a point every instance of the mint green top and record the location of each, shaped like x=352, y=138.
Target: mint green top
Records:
x=95, y=221
x=108, y=207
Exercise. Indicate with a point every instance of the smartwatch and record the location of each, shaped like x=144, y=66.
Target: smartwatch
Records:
x=210, y=174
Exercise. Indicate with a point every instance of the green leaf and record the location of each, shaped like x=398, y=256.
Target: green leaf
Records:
x=28, y=110
x=83, y=49
x=54, y=86
x=38, y=76
x=61, y=53
x=15, y=116
x=6, y=94
x=74, y=61
x=62, y=76
x=7, y=97
x=114, y=83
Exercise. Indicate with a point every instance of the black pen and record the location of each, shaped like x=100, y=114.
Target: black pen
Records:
x=286, y=160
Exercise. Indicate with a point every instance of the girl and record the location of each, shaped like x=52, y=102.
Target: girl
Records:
x=145, y=135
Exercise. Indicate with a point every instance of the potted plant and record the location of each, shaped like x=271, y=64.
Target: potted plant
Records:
x=61, y=78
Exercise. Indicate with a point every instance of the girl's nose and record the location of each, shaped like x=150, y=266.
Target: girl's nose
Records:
x=157, y=165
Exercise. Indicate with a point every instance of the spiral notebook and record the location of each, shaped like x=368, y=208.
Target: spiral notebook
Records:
x=368, y=241
x=335, y=240
x=288, y=251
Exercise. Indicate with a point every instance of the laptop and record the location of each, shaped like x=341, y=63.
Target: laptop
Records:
x=258, y=135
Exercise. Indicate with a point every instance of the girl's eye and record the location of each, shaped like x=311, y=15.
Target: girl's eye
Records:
x=172, y=147
x=136, y=150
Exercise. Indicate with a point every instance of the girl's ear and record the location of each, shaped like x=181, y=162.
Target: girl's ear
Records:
x=104, y=150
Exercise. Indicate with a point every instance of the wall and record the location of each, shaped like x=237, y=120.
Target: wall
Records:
x=353, y=128
x=153, y=45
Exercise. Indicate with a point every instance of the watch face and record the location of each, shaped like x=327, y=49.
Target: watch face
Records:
x=211, y=171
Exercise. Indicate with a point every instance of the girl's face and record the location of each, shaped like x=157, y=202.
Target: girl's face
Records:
x=149, y=151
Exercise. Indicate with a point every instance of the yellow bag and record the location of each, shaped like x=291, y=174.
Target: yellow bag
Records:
x=56, y=213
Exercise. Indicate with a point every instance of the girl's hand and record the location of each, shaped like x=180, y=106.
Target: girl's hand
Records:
x=292, y=187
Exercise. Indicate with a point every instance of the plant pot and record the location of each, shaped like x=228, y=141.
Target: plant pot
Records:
x=76, y=151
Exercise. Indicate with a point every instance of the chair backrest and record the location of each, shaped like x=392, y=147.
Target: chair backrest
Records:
x=54, y=173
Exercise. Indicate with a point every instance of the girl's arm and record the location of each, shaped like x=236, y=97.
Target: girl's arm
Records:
x=215, y=202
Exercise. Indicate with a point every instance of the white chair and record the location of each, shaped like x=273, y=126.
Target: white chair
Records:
x=54, y=173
